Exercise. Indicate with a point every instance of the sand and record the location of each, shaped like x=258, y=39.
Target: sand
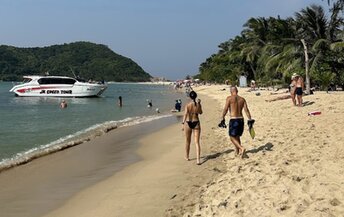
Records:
x=295, y=165
x=150, y=186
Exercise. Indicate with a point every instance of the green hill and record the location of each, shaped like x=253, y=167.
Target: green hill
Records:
x=87, y=60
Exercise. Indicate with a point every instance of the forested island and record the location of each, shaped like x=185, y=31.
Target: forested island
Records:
x=84, y=59
x=270, y=49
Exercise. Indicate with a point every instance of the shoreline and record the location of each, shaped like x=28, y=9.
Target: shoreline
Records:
x=152, y=185
x=52, y=179
x=74, y=139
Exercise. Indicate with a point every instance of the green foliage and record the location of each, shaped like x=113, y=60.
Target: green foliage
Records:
x=269, y=50
x=85, y=59
x=323, y=76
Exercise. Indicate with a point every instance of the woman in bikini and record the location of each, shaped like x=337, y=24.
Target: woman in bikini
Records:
x=293, y=88
x=191, y=124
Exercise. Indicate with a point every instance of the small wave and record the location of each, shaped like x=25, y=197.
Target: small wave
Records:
x=74, y=139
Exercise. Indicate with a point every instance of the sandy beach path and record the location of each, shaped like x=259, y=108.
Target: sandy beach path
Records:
x=151, y=186
x=295, y=164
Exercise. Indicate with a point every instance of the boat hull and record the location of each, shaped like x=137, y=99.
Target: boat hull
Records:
x=61, y=90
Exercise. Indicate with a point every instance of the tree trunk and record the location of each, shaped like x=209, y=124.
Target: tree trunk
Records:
x=253, y=71
x=308, y=83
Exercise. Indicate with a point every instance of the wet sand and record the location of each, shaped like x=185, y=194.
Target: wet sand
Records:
x=46, y=183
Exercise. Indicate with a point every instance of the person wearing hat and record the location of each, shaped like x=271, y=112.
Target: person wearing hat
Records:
x=191, y=124
x=292, y=88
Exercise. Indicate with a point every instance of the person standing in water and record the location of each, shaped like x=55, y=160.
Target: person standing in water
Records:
x=120, y=103
x=235, y=104
x=149, y=103
x=191, y=124
x=63, y=104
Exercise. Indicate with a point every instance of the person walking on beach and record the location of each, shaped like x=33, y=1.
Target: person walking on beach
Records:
x=300, y=86
x=292, y=88
x=191, y=124
x=235, y=104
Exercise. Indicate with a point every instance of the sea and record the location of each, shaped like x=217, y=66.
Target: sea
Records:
x=33, y=126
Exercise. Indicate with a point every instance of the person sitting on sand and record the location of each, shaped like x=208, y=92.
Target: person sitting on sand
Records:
x=300, y=86
x=191, y=124
x=63, y=104
x=235, y=104
x=177, y=106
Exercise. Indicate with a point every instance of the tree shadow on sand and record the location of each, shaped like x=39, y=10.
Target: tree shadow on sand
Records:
x=216, y=155
x=267, y=147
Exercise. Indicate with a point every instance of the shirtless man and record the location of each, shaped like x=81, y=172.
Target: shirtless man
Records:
x=300, y=86
x=63, y=104
x=235, y=104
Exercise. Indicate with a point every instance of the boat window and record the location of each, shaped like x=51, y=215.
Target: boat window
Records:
x=56, y=81
x=27, y=80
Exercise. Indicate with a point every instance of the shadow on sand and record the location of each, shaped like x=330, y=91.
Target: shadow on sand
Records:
x=267, y=147
x=216, y=155
x=307, y=103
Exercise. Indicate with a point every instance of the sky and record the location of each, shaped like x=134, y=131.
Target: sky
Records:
x=167, y=38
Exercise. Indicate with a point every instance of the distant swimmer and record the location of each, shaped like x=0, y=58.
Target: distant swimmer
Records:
x=191, y=124
x=120, y=102
x=234, y=105
x=63, y=104
x=149, y=103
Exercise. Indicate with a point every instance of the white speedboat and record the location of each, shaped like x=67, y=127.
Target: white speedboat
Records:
x=58, y=86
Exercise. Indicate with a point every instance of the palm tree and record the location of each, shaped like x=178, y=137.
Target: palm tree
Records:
x=270, y=47
x=256, y=36
x=313, y=29
x=338, y=1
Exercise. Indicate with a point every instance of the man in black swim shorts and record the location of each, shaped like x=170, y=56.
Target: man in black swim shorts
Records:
x=235, y=104
x=300, y=86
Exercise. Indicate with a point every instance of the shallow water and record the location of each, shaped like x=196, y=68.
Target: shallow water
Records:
x=28, y=123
